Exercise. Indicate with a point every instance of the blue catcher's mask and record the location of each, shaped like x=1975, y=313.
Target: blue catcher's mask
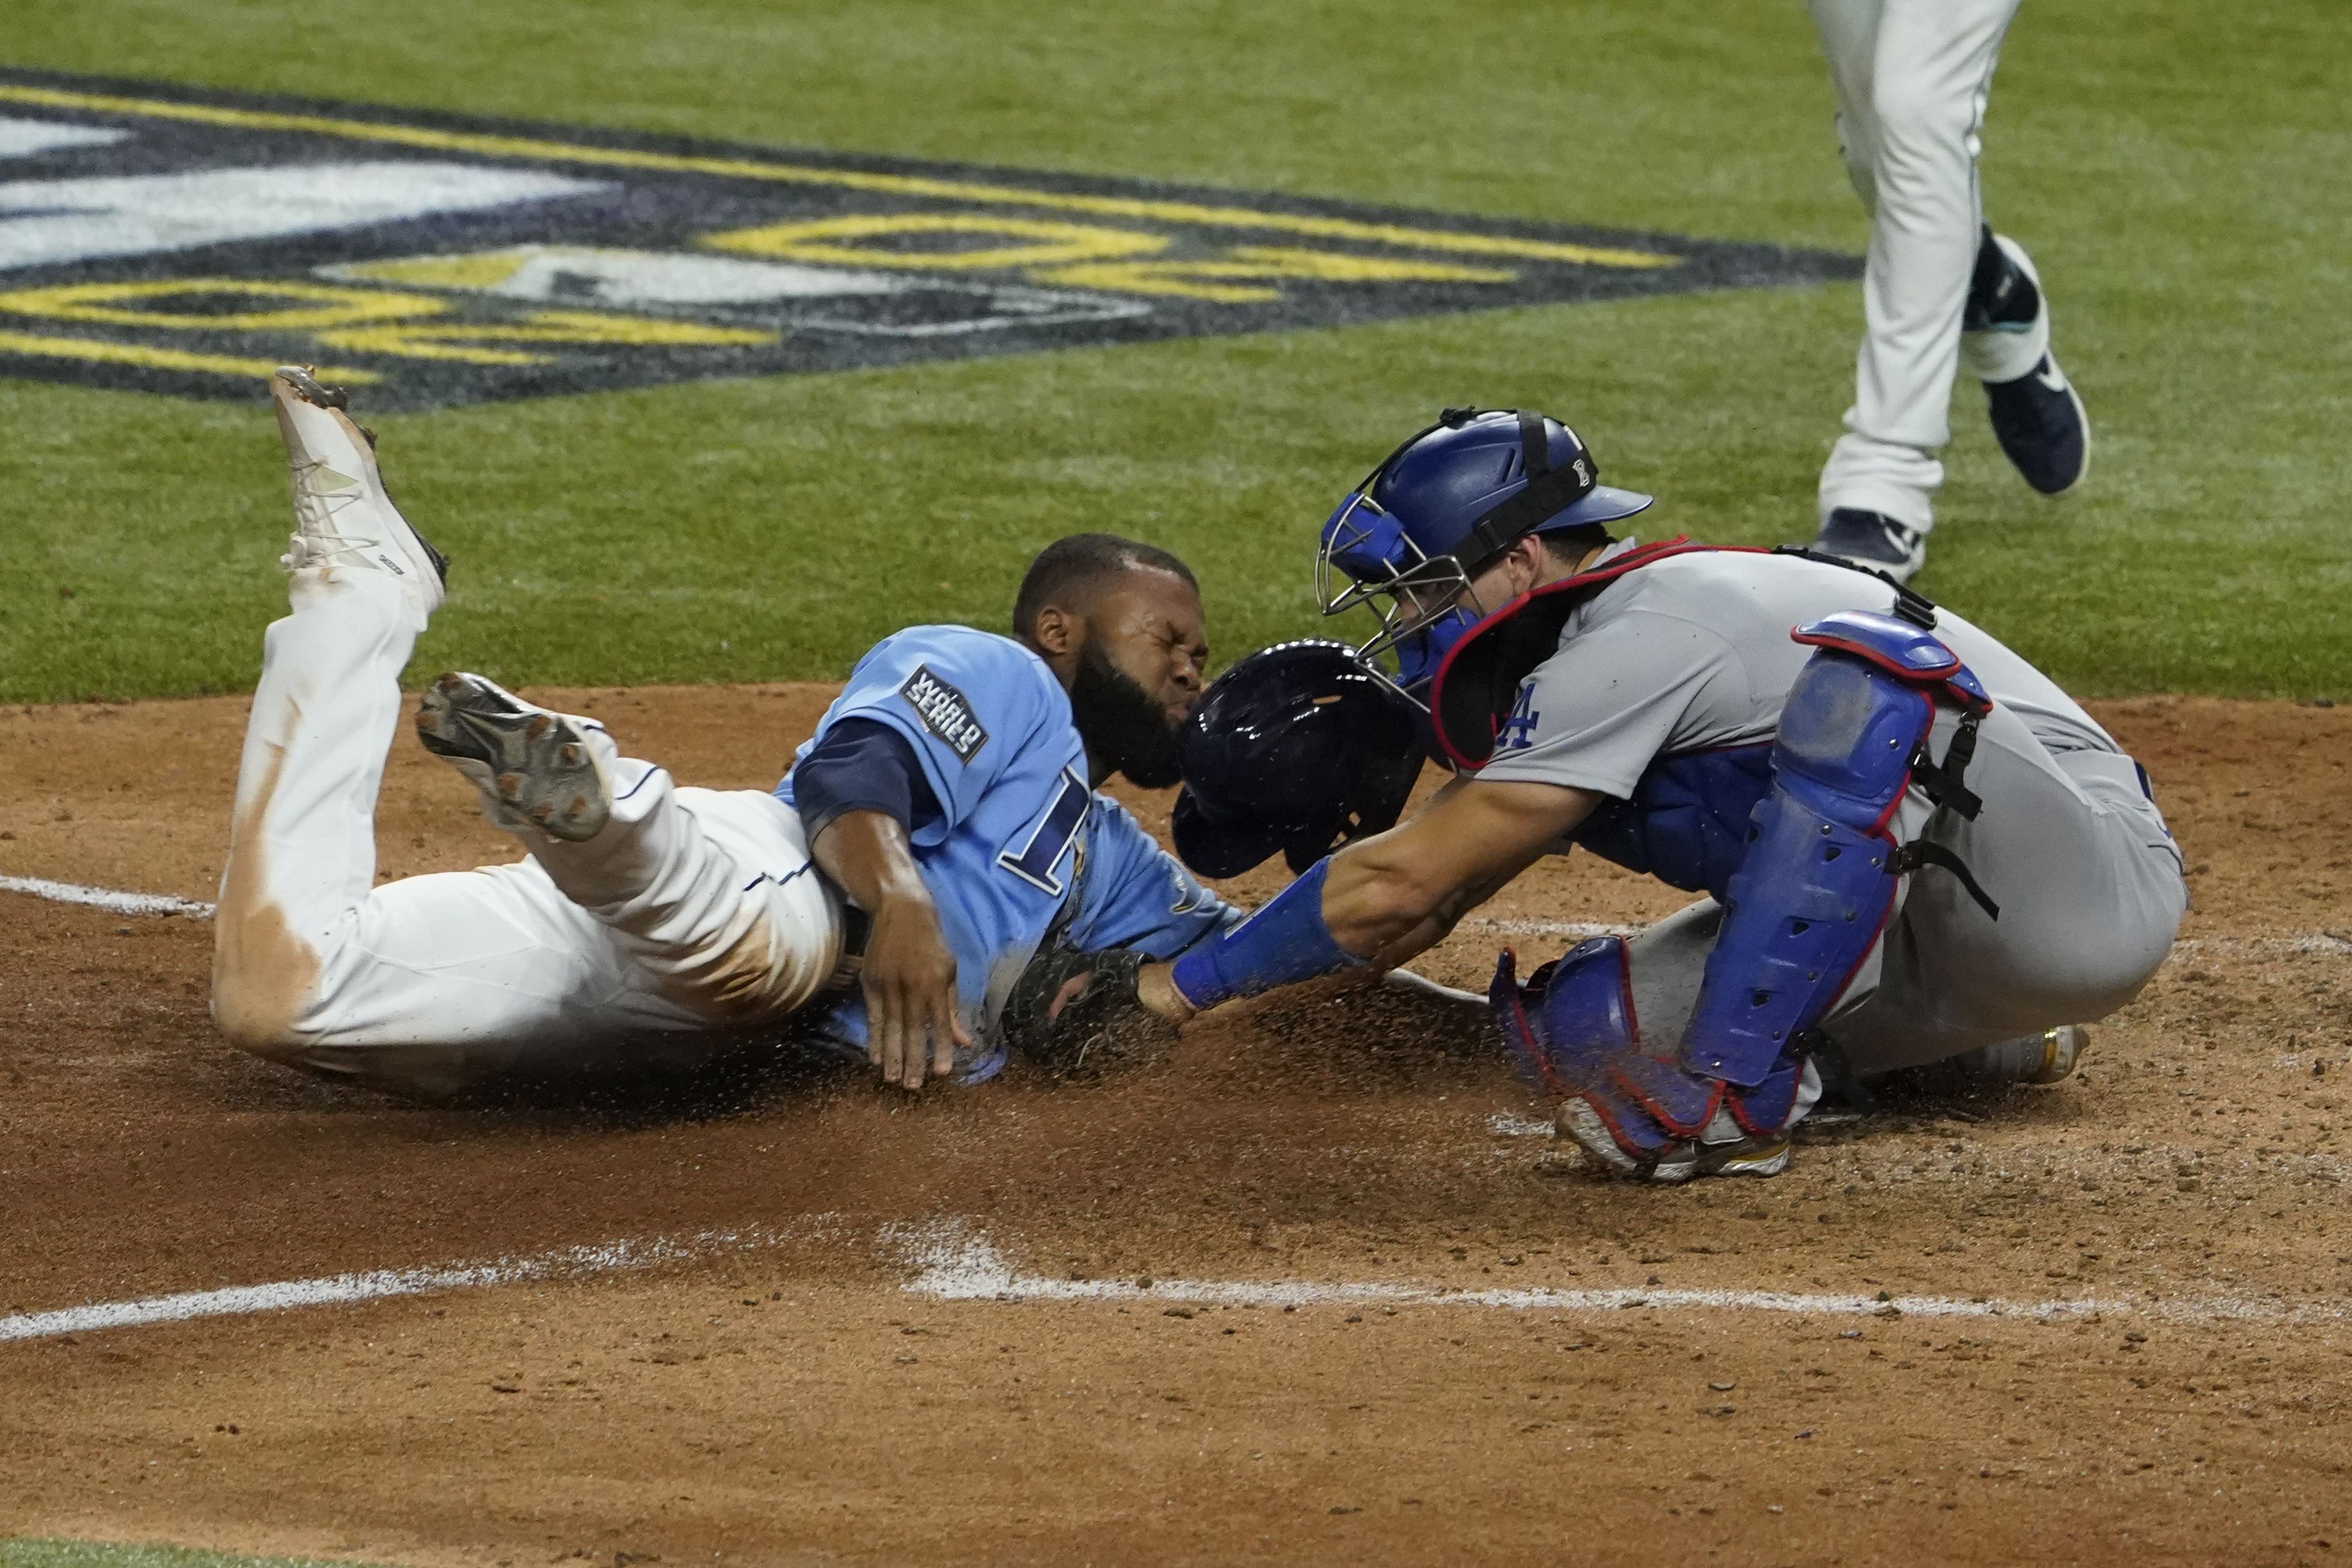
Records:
x=1419, y=653
x=1438, y=510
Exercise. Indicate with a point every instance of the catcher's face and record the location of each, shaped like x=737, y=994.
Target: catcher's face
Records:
x=1505, y=578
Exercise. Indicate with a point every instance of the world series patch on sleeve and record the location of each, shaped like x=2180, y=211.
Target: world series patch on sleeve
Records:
x=168, y=239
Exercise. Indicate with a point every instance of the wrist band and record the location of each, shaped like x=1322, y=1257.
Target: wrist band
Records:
x=1284, y=942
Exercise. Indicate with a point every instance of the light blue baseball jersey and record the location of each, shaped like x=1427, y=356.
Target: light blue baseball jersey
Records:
x=1022, y=843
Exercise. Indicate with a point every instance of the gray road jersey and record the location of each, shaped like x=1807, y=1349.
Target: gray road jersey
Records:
x=1693, y=654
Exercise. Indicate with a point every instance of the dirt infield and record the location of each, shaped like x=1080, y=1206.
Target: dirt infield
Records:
x=781, y=1397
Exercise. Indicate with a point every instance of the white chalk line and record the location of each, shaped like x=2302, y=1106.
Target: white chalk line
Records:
x=340, y=1290
x=1580, y=931
x=958, y=1266
x=119, y=901
x=112, y=898
x=2325, y=942
x=955, y=1263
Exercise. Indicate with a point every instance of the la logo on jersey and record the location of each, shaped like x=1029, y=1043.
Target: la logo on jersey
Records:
x=944, y=712
x=1519, y=730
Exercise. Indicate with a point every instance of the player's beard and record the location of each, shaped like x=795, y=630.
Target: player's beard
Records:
x=1125, y=730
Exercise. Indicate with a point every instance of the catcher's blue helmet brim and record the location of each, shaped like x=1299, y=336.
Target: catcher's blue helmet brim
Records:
x=1605, y=503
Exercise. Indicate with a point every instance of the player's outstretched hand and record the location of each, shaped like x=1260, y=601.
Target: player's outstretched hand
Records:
x=909, y=979
x=908, y=973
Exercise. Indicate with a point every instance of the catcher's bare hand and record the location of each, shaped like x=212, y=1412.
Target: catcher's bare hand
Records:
x=1155, y=988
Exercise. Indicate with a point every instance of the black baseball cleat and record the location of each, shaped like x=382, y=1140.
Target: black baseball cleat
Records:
x=2004, y=291
x=2037, y=418
x=534, y=767
x=2039, y=422
x=1874, y=540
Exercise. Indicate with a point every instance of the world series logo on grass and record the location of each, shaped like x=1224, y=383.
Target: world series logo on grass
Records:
x=170, y=240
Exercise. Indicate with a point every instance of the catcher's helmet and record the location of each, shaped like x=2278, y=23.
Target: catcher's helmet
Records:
x=1299, y=747
x=1439, y=509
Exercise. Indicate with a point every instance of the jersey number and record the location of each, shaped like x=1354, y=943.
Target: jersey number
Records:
x=1034, y=861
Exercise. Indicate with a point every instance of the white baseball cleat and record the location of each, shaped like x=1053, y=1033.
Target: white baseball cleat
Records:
x=342, y=515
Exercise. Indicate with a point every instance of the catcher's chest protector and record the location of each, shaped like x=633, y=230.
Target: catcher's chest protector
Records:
x=1819, y=878
x=1686, y=823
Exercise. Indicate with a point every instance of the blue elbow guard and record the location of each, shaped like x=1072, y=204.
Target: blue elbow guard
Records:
x=1284, y=942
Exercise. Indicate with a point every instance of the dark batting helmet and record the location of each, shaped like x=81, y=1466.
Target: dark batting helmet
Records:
x=1299, y=747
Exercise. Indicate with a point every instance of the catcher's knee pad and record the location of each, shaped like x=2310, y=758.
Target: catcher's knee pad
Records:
x=1572, y=1017
x=1819, y=878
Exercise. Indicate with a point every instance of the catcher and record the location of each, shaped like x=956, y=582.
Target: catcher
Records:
x=933, y=876
x=1912, y=844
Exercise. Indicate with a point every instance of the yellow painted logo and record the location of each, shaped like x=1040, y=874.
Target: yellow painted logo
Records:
x=169, y=242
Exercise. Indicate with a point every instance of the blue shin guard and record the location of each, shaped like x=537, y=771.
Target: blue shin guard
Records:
x=1818, y=879
x=1571, y=1019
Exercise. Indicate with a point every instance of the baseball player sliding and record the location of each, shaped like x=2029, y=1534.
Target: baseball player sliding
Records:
x=1940, y=289
x=1912, y=844
x=914, y=889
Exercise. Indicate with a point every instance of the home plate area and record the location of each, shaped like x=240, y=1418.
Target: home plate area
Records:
x=1319, y=1273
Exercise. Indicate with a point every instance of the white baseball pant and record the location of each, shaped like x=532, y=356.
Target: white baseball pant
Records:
x=692, y=913
x=1912, y=77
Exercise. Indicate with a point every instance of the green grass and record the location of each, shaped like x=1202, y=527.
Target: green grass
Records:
x=34, y=1553
x=2191, y=208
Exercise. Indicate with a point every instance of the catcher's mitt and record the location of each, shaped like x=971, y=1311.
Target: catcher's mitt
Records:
x=1074, y=1012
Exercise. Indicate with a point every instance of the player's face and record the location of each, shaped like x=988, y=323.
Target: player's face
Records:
x=1489, y=591
x=1149, y=628
x=1511, y=574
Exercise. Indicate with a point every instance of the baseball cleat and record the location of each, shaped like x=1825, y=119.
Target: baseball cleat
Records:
x=343, y=516
x=1749, y=1157
x=534, y=768
x=2050, y=1057
x=1874, y=540
x=1674, y=1163
x=2040, y=423
x=2037, y=418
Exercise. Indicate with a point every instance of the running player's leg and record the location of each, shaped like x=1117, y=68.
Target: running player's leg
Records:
x=433, y=976
x=710, y=893
x=432, y=981
x=1849, y=35
x=1922, y=99
x=310, y=958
